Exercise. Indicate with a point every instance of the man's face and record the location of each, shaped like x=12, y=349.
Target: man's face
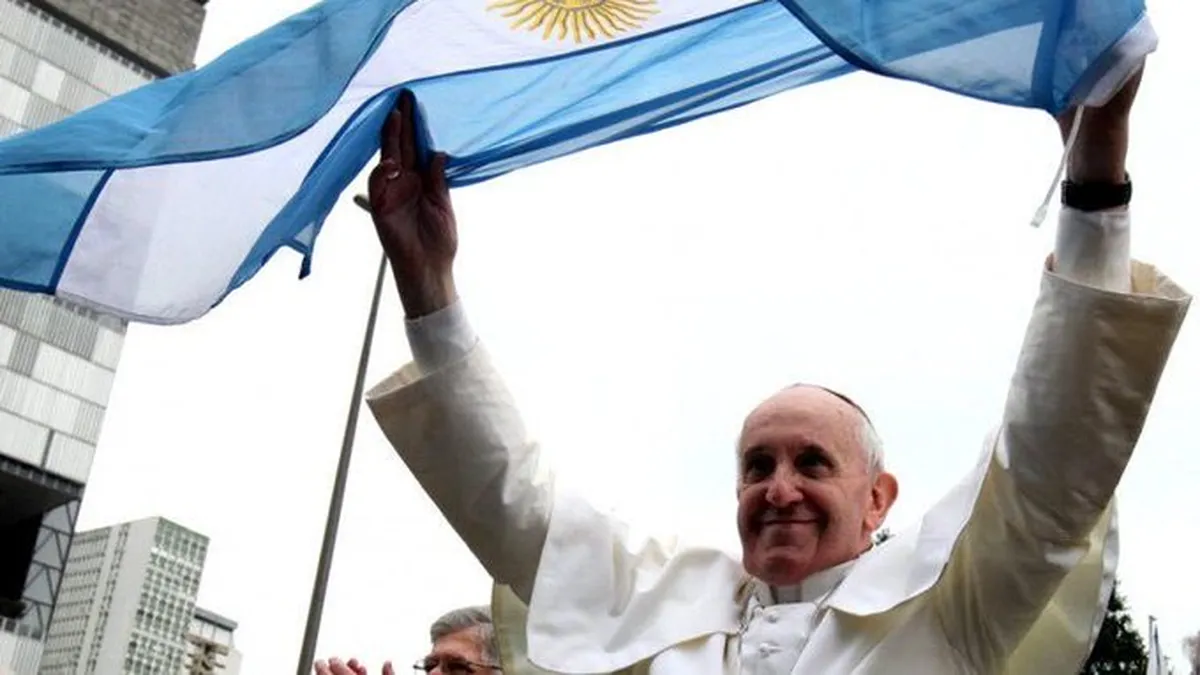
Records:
x=459, y=653
x=807, y=499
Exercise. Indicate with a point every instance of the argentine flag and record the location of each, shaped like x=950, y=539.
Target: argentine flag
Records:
x=155, y=205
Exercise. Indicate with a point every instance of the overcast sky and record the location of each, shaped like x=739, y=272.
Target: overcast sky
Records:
x=640, y=298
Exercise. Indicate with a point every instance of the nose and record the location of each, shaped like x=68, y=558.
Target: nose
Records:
x=782, y=491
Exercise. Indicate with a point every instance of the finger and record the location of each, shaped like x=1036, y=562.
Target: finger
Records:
x=339, y=668
x=435, y=178
x=391, y=187
x=408, y=132
x=388, y=669
x=363, y=202
x=321, y=668
x=389, y=136
x=377, y=183
x=358, y=668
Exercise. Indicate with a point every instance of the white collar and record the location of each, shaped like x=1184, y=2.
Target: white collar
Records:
x=812, y=589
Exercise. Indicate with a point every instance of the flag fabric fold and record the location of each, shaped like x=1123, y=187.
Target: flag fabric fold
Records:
x=155, y=205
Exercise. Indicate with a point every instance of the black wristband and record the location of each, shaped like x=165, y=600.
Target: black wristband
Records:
x=1096, y=196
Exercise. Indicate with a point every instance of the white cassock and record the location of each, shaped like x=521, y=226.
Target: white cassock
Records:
x=1009, y=573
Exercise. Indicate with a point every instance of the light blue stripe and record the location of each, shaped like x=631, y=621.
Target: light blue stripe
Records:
x=495, y=120
x=258, y=94
x=38, y=217
x=1076, y=34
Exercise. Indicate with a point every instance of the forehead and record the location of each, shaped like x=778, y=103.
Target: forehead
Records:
x=802, y=415
x=463, y=644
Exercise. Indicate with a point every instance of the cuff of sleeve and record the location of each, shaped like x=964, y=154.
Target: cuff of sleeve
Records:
x=441, y=338
x=1093, y=248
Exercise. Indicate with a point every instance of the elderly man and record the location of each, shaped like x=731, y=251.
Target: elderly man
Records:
x=1007, y=574
x=463, y=643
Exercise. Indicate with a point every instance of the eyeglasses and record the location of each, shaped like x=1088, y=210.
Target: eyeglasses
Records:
x=451, y=666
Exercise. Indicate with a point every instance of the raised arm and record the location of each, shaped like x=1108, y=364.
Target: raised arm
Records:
x=1102, y=329
x=448, y=414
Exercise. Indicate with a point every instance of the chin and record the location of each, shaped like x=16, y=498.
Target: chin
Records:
x=780, y=570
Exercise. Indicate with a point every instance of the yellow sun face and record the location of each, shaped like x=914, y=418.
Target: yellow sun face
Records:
x=579, y=19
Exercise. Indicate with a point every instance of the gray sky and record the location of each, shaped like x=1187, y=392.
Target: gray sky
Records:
x=865, y=233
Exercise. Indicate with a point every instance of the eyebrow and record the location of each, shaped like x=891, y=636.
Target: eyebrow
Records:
x=805, y=447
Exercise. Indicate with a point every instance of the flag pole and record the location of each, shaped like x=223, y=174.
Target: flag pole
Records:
x=320, y=583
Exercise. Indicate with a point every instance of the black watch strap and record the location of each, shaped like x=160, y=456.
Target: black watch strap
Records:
x=1096, y=196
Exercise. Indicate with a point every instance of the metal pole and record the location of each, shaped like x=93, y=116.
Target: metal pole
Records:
x=317, y=604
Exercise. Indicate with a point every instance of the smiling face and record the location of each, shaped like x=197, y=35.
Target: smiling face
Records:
x=808, y=498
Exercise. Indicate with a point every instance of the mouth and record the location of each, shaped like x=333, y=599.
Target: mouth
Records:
x=788, y=521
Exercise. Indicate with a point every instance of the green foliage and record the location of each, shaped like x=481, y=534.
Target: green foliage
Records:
x=1191, y=647
x=1120, y=647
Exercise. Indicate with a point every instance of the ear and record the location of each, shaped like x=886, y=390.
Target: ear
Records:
x=883, y=494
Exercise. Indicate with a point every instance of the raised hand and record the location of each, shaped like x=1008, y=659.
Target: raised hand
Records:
x=1103, y=142
x=413, y=216
x=351, y=667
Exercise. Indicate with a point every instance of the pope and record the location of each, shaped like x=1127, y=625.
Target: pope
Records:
x=1008, y=573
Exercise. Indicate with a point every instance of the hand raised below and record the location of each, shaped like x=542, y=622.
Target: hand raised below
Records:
x=351, y=667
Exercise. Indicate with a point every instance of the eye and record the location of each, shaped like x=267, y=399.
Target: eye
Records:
x=812, y=460
x=757, y=466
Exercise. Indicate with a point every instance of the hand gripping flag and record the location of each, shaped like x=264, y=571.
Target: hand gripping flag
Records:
x=155, y=205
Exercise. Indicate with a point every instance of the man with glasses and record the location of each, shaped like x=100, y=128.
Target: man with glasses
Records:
x=463, y=643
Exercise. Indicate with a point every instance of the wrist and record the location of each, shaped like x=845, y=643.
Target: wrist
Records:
x=1098, y=156
x=1097, y=196
x=1108, y=170
x=424, y=296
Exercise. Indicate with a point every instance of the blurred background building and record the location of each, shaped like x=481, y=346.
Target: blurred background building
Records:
x=58, y=361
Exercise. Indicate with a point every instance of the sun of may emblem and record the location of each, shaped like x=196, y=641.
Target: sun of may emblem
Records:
x=578, y=19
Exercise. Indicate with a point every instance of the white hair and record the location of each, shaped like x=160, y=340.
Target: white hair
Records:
x=872, y=445
x=476, y=619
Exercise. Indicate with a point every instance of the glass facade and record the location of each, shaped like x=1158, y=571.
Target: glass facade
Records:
x=79, y=592
x=128, y=601
x=210, y=645
x=57, y=365
x=57, y=361
x=167, y=601
x=49, y=70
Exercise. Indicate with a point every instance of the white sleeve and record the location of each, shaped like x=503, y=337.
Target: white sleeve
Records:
x=441, y=338
x=1092, y=248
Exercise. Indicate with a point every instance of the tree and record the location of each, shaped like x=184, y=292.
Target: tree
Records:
x=1191, y=647
x=1119, y=647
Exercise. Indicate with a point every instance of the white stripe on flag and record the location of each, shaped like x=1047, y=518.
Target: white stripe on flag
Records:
x=194, y=223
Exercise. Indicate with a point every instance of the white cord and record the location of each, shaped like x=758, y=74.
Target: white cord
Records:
x=1040, y=215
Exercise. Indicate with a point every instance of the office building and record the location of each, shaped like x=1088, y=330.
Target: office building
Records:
x=210, y=645
x=127, y=602
x=58, y=361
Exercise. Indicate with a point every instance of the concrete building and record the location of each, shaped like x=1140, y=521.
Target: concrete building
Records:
x=128, y=601
x=210, y=645
x=58, y=361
